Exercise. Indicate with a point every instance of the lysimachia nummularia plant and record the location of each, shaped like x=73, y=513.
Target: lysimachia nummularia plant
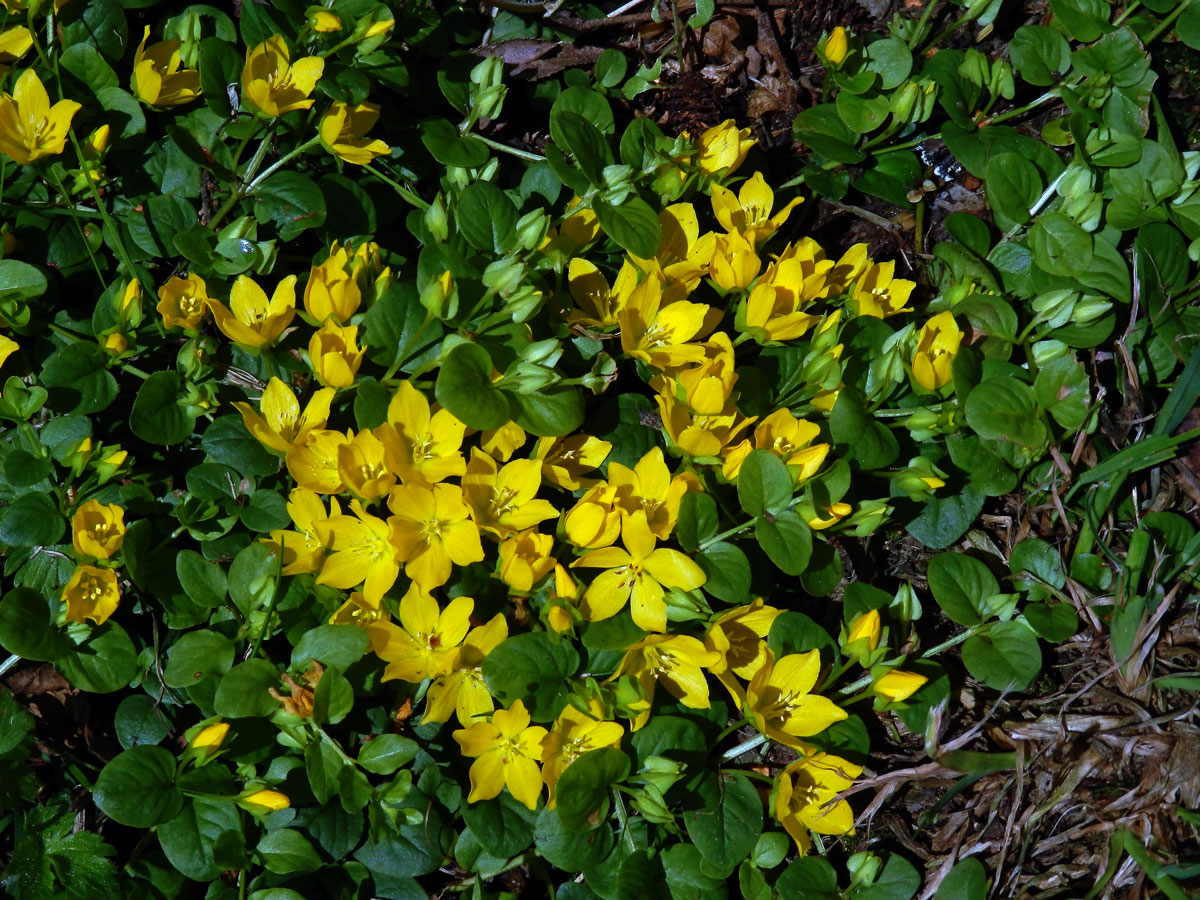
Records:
x=435, y=508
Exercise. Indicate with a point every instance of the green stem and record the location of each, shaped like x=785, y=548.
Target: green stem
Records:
x=1129, y=10
x=731, y=729
x=49, y=170
x=745, y=747
x=238, y=193
x=504, y=148
x=1165, y=23
x=922, y=24
x=749, y=774
x=266, y=626
x=398, y=188
x=850, y=689
x=280, y=163
x=9, y=663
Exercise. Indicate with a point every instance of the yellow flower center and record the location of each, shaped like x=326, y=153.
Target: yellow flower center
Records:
x=510, y=747
x=432, y=529
x=91, y=588
x=656, y=336
x=190, y=305
x=422, y=449
x=369, y=471
x=502, y=501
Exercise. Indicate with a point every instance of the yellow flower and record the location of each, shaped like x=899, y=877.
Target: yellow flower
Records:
x=561, y=612
x=358, y=612
x=426, y=643
x=575, y=733
x=657, y=333
x=334, y=354
x=314, y=463
x=276, y=85
x=698, y=435
x=91, y=593
x=898, y=685
x=282, y=426
x=361, y=553
x=564, y=460
x=421, y=445
x=501, y=443
x=836, y=46
x=595, y=519
x=683, y=254
x=332, y=289
x=636, y=576
x=828, y=516
x=158, y=79
x=251, y=319
x=30, y=127
x=723, y=148
x=7, y=348
x=738, y=635
x=705, y=388
x=879, y=293
x=182, y=302
x=115, y=344
x=430, y=529
x=937, y=345
x=302, y=549
x=342, y=130
x=807, y=798
x=462, y=691
x=789, y=438
x=508, y=750
x=97, y=530
x=503, y=499
x=268, y=800
x=675, y=660
x=597, y=303
x=323, y=21
x=734, y=262
x=749, y=213
x=779, y=701
x=865, y=628
x=210, y=737
x=650, y=489
x=363, y=468
x=15, y=42
x=525, y=559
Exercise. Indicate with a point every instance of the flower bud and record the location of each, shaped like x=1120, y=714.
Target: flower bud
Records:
x=837, y=45
x=897, y=686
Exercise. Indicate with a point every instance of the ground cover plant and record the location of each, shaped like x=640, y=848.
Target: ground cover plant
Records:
x=555, y=450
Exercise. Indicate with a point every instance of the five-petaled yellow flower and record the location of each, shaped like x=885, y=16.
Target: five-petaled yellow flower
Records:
x=508, y=750
x=92, y=593
x=675, y=660
x=575, y=733
x=937, y=345
x=430, y=528
x=421, y=445
x=462, y=691
x=637, y=576
x=749, y=213
x=342, y=132
x=503, y=499
x=282, y=425
x=97, y=529
x=779, y=701
x=158, y=79
x=738, y=635
x=251, y=319
x=426, y=643
x=275, y=84
x=807, y=798
x=30, y=127
x=182, y=302
x=360, y=553
x=723, y=148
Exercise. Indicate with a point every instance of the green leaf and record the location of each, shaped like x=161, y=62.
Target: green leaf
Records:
x=293, y=202
x=898, y=881
x=583, y=788
x=612, y=66
x=764, y=484
x=1055, y=622
x=1013, y=186
x=227, y=441
x=265, y=511
x=464, y=387
x=728, y=572
x=188, y=839
x=634, y=225
x=78, y=379
x=891, y=60
x=859, y=436
x=966, y=881
x=340, y=646
x=139, y=720
x=15, y=724
x=786, y=539
x=1005, y=657
x=156, y=417
x=137, y=788
x=386, y=753
x=213, y=481
x=106, y=663
x=1004, y=409
x=1039, y=53
x=810, y=877
x=203, y=581
x=1085, y=20
x=724, y=835
x=448, y=147
x=27, y=629
x=569, y=850
x=20, y=281
x=961, y=584
x=697, y=520
x=1061, y=388
x=286, y=851
x=1059, y=245
x=552, y=412
x=503, y=824
x=244, y=691
x=1035, y=556
x=583, y=140
x=195, y=656
x=794, y=632
x=486, y=217
x=531, y=667
x=32, y=520
x=406, y=852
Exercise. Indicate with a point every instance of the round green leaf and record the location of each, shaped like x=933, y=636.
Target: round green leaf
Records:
x=137, y=788
x=203, y=581
x=26, y=629
x=195, y=656
x=1004, y=409
x=960, y=584
x=139, y=720
x=286, y=851
x=387, y=753
x=531, y=667
x=502, y=825
x=486, y=217
x=787, y=540
x=1059, y=245
x=464, y=386
x=31, y=520
x=244, y=690
x=727, y=571
x=20, y=281
x=78, y=379
x=156, y=417
x=188, y=839
x=633, y=225
x=724, y=835
x=582, y=789
x=764, y=483
x=106, y=663
x=1005, y=657
x=570, y=850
